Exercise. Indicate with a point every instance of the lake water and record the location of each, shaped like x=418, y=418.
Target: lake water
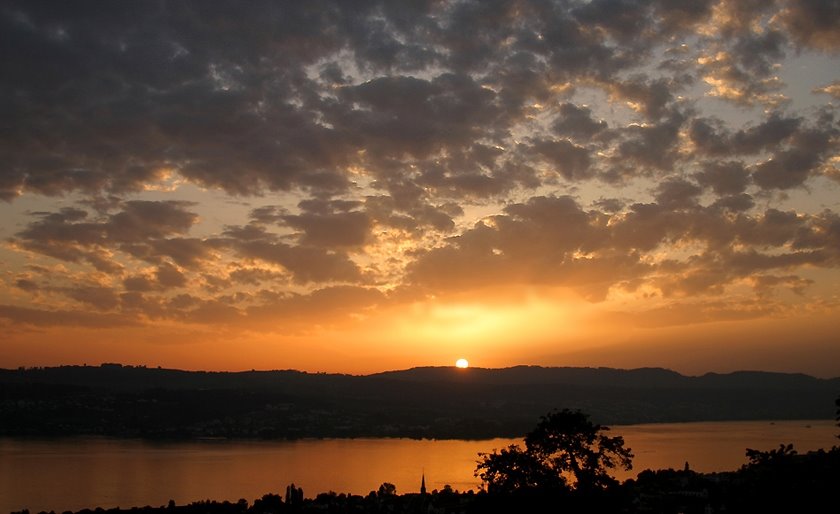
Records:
x=72, y=474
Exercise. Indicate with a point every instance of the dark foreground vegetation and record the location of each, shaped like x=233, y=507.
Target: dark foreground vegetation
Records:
x=565, y=466
x=125, y=401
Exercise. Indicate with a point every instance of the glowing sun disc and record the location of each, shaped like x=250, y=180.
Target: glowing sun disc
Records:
x=462, y=363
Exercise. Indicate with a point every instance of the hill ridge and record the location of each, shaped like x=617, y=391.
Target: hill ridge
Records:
x=432, y=402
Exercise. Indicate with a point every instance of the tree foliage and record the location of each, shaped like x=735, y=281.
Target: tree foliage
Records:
x=784, y=454
x=837, y=412
x=387, y=489
x=514, y=469
x=565, y=451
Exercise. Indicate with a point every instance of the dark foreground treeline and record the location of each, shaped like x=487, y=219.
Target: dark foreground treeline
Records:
x=125, y=401
x=566, y=465
x=772, y=482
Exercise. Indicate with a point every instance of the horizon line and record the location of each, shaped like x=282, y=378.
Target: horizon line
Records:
x=449, y=367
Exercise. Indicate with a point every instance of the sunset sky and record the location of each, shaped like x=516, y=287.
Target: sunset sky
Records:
x=360, y=186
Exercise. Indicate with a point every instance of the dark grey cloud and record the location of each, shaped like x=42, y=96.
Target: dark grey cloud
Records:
x=765, y=284
x=347, y=229
x=741, y=49
x=577, y=122
x=822, y=232
x=254, y=276
x=415, y=217
x=307, y=264
x=790, y=166
x=736, y=203
x=330, y=224
x=402, y=116
x=711, y=137
x=680, y=15
x=724, y=177
x=64, y=318
x=797, y=150
x=186, y=252
x=649, y=148
x=99, y=297
x=169, y=276
x=651, y=97
x=677, y=193
x=105, y=98
x=813, y=23
x=25, y=284
x=569, y=160
x=71, y=234
x=758, y=52
x=138, y=283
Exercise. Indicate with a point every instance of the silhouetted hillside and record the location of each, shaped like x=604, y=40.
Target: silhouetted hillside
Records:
x=642, y=377
x=439, y=402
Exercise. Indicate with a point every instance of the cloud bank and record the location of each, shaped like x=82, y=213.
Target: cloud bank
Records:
x=386, y=153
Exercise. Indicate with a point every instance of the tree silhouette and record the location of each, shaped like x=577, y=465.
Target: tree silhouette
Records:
x=513, y=469
x=837, y=412
x=387, y=489
x=566, y=451
x=784, y=454
x=294, y=495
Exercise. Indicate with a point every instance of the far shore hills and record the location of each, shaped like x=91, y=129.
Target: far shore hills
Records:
x=428, y=402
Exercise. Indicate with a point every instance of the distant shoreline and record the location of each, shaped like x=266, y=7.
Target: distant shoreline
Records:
x=614, y=429
x=419, y=403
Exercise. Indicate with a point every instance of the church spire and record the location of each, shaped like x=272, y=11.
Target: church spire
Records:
x=423, y=483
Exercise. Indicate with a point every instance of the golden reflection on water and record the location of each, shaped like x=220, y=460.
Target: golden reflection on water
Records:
x=73, y=474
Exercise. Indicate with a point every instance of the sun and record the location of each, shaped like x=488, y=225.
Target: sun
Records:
x=462, y=363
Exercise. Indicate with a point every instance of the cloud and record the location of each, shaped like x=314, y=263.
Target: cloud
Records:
x=790, y=167
x=686, y=312
x=330, y=224
x=551, y=240
x=744, y=48
x=764, y=284
x=305, y=263
x=138, y=283
x=137, y=97
x=24, y=284
x=651, y=98
x=533, y=242
x=832, y=89
x=255, y=276
x=425, y=147
x=63, y=318
x=735, y=203
x=652, y=147
x=577, y=122
x=569, y=160
x=710, y=137
x=99, y=297
x=71, y=235
x=677, y=193
x=316, y=90
x=813, y=23
x=169, y=276
x=725, y=178
x=322, y=306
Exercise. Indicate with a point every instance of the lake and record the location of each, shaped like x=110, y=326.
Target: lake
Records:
x=72, y=474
